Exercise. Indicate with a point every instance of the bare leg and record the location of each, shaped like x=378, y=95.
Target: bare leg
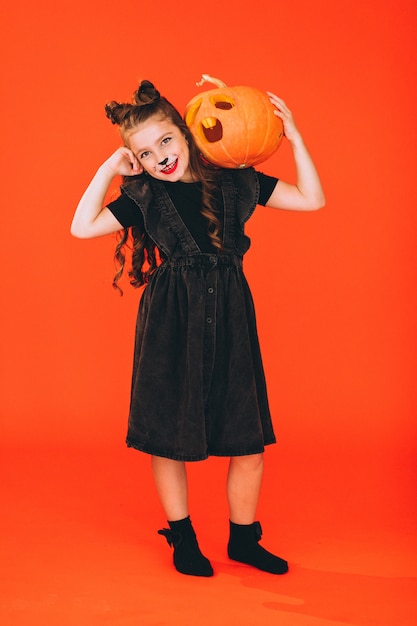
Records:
x=171, y=483
x=244, y=482
x=243, y=487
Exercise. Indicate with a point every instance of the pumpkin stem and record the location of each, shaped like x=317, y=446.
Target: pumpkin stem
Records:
x=206, y=78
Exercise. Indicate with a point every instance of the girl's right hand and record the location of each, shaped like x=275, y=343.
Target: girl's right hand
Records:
x=91, y=219
x=123, y=163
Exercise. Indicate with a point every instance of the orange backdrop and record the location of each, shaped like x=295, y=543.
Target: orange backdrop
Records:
x=335, y=290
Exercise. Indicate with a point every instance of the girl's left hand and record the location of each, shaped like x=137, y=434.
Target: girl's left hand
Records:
x=290, y=130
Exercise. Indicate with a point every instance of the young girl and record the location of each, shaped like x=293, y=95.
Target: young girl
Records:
x=198, y=386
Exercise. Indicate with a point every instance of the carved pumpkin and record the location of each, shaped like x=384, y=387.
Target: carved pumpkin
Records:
x=234, y=127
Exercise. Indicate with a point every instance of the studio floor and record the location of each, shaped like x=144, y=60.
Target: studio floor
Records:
x=80, y=546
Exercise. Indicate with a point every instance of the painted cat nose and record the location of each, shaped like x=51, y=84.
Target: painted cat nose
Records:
x=164, y=162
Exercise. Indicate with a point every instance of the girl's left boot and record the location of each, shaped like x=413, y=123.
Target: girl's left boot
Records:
x=188, y=558
x=244, y=547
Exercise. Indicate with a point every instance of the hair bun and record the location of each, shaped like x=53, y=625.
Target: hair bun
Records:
x=146, y=93
x=117, y=112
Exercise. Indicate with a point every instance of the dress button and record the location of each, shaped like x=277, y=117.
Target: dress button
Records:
x=212, y=259
x=210, y=290
x=209, y=320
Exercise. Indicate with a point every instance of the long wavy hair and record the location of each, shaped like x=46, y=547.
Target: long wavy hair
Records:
x=148, y=103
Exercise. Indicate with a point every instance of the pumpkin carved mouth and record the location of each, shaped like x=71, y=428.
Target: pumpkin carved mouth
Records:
x=212, y=129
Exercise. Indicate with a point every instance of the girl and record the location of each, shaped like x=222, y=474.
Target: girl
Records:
x=198, y=385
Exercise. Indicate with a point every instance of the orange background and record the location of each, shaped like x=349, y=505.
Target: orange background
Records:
x=335, y=290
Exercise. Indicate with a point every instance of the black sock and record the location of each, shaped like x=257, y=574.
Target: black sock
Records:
x=188, y=558
x=244, y=547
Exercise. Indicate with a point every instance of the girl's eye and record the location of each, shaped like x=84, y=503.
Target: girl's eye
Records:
x=166, y=140
x=143, y=155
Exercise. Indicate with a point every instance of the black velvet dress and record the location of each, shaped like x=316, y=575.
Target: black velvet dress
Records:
x=198, y=385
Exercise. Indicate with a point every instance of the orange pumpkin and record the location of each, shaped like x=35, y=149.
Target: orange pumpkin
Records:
x=234, y=127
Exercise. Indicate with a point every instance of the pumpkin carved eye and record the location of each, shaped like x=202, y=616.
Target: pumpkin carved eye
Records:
x=225, y=106
x=192, y=112
x=223, y=102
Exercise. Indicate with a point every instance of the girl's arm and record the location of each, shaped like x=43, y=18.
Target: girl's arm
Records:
x=90, y=218
x=307, y=194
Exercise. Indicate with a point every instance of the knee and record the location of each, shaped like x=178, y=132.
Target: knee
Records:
x=249, y=462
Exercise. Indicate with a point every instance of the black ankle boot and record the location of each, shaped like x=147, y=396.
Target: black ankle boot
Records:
x=188, y=558
x=244, y=547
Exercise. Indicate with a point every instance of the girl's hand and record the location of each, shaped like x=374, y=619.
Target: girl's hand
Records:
x=290, y=130
x=91, y=219
x=123, y=163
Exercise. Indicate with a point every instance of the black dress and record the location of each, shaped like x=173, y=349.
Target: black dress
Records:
x=198, y=385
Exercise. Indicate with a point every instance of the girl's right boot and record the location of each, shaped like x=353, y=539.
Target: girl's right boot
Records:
x=188, y=558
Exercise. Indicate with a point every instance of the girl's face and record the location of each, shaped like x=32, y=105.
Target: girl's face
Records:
x=161, y=150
